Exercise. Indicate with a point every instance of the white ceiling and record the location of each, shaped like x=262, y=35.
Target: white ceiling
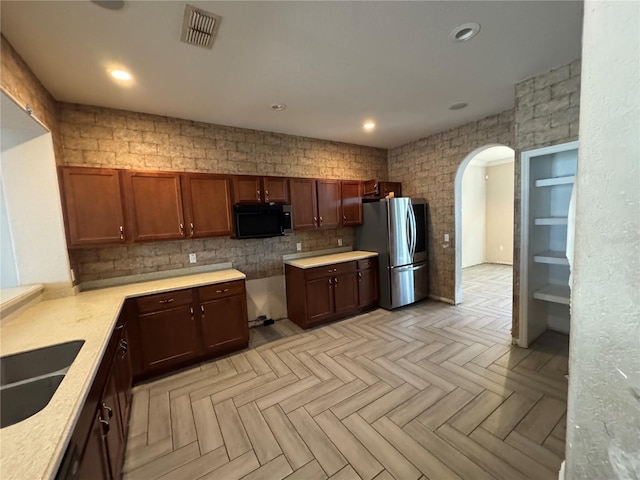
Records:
x=334, y=64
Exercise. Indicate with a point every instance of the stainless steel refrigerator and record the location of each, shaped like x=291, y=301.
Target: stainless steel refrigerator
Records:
x=396, y=228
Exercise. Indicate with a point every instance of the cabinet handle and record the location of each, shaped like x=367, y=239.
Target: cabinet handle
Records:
x=108, y=409
x=202, y=309
x=105, y=427
x=181, y=230
x=330, y=282
x=258, y=194
x=359, y=276
x=336, y=280
x=125, y=348
x=335, y=269
x=222, y=291
x=315, y=221
x=320, y=221
x=266, y=195
x=121, y=232
x=170, y=300
x=191, y=229
x=192, y=314
x=344, y=218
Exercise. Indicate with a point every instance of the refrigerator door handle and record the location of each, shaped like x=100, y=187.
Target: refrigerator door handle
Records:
x=410, y=268
x=414, y=231
x=408, y=231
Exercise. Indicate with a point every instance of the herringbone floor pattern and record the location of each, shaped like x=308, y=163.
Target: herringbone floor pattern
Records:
x=431, y=391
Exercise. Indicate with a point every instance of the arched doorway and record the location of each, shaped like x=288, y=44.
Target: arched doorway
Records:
x=488, y=153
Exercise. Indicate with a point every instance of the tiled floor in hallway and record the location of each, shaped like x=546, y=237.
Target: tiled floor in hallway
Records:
x=431, y=391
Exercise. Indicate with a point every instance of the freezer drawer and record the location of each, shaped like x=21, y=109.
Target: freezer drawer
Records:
x=408, y=284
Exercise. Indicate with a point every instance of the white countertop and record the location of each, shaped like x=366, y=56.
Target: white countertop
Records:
x=33, y=448
x=322, y=260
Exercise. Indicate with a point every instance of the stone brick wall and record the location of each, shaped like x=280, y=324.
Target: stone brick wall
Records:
x=101, y=137
x=17, y=80
x=546, y=113
x=427, y=168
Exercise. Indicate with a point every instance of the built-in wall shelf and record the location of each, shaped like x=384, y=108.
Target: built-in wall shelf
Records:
x=553, y=293
x=545, y=233
x=549, y=182
x=551, y=257
x=550, y=221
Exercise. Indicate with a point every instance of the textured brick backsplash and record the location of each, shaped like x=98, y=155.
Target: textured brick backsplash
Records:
x=547, y=112
x=427, y=168
x=102, y=137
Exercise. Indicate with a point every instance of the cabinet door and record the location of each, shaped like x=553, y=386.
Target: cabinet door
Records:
x=224, y=322
x=167, y=338
x=329, y=203
x=368, y=287
x=115, y=436
x=351, y=203
x=207, y=203
x=370, y=188
x=319, y=299
x=304, y=207
x=94, y=463
x=345, y=292
x=154, y=203
x=276, y=189
x=123, y=377
x=93, y=206
x=247, y=189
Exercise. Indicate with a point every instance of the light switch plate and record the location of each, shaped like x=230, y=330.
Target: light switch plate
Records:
x=192, y=258
x=299, y=246
x=339, y=242
x=446, y=237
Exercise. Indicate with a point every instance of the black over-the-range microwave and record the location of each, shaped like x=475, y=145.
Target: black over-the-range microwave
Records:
x=262, y=221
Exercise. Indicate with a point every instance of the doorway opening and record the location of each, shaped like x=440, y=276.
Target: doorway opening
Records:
x=484, y=209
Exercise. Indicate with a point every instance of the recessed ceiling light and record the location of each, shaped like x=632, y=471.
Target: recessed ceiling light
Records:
x=369, y=126
x=458, y=106
x=465, y=32
x=121, y=75
x=278, y=107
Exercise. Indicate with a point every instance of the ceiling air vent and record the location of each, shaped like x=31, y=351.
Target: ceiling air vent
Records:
x=199, y=27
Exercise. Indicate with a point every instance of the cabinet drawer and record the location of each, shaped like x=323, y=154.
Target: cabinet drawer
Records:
x=367, y=263
x=221, y=290
x=328, y=270
x=164, y=301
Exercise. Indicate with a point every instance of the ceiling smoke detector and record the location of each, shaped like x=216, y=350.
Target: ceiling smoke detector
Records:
x=278, y=107
x=458, y=106
x=465, y=32
x=199, y=28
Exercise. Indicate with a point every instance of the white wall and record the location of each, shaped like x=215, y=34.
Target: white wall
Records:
x=499, y=213
x=266, y=296
x=473, y=215
x=30, y=185
x=603, y=438
x=8, y=273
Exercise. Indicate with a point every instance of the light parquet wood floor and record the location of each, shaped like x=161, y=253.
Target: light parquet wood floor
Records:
x=431, y=391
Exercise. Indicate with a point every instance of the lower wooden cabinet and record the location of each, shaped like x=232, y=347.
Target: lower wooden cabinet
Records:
x=323, y=294
x=175, y=329
x=94, y=463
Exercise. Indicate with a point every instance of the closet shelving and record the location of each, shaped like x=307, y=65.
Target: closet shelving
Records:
x=548, y=175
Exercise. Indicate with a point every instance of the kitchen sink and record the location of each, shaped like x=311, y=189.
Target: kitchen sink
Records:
x=36, y=363
x=23, y=400
x=28, y=380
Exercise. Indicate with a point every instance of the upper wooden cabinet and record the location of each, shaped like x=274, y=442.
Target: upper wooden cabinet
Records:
x=315, y=203
x=154, y=205
x=252, y=189
x=207, y=204
x=304, y=203
x=375, y=189
x=351, y=203
x=93, y=206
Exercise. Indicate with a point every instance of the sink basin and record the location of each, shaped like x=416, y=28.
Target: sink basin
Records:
x=21, y=401
x=28, y=380
x=36, y=363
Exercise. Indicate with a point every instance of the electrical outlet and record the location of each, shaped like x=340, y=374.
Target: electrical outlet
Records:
x=446, y=237
x=299, y=246
x=192, y=258
x=501, y=248
x=339, y=242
